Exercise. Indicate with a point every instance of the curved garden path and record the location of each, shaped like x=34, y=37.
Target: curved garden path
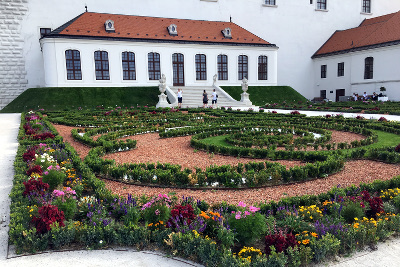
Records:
x=151, y=148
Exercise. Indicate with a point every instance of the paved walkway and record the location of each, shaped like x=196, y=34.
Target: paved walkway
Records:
x=388, y=253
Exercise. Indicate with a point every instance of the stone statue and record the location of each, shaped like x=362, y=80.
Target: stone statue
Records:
x=245, y=84
x=215, y=79
x=162, y=86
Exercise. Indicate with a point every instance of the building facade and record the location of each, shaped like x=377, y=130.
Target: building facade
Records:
x=297, y=27
x=99, y=49
x=360, y=59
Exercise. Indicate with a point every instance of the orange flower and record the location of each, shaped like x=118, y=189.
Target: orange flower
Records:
x=314, y=235
x=204, y=215
x=306, y=241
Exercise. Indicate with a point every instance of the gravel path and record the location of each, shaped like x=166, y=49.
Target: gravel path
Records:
x=150, y=148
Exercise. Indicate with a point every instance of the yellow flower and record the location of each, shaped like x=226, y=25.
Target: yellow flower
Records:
x=356, y=225
x=306, y=241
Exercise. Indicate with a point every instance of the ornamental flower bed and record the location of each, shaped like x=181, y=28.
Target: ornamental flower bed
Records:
x=58, y=203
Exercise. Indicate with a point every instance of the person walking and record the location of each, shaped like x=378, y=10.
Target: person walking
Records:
x=205, y=99
x=180, y=98
x=214, y=99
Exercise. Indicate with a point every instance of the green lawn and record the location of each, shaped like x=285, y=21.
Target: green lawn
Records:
x=86, y=97
x=260, y=95
x=384, y=139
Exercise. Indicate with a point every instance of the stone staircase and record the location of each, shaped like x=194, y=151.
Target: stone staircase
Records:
x=193, y=97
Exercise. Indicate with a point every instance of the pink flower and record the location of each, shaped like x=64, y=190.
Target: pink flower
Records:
x=253, y=209
x=237, y=216
x=42, y=145
x=46, y=173
x=157, y=212
x=241, y=204
x=58, y=193
x=246, y=213
x=70, y=191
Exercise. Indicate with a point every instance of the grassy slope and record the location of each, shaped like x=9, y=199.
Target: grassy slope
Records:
x=67, y=98
x=260, y=95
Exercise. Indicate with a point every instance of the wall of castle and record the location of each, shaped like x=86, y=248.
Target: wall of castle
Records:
x=12, y=61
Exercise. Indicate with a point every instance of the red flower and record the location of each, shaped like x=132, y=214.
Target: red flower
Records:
x=48, y=215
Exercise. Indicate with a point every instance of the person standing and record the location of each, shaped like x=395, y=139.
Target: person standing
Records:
x=180, y=98
x=214, y=99
x=205, y=99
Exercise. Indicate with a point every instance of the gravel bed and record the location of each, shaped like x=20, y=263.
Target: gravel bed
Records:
x=150, y=148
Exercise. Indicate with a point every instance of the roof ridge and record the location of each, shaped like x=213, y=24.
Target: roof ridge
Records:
x=386, y=15
x=142, y=16
x=377, y=28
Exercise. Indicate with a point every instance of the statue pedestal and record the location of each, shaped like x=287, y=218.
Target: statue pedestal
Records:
x=162, y=101
x=245, y=99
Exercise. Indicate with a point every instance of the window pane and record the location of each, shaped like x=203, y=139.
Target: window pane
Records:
x=101, y=65
x=73, y=65
x=154, y=66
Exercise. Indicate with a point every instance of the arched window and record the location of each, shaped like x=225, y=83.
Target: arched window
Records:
x=369, y=68
x=101, y=65
x=263, y=68
x=154, y=66
x=201, y=67
x=73, y=63
x=128, y=66
x=243, y=67
x=222, y=62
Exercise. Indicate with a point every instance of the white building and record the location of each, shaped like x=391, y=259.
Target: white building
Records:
x=97, y=49
x=297, y=27
x=361, y=59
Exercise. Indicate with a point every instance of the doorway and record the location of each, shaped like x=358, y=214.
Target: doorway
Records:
x=178, y=69
x=339, y=93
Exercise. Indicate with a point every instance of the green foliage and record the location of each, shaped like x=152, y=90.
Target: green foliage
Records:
x=325, y=247
x=63, y=236
x=68, y=206
x=352, y=210
x=54, y=178
x=259, y=95
x=71, y=98
x=396, y=201
x=249, y=228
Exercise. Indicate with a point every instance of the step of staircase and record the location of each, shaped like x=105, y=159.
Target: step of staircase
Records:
x=192, y=96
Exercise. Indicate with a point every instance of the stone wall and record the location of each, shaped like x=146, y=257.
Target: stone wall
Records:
x=12, y=62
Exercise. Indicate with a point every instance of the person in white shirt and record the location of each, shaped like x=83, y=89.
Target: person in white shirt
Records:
x=365, y=96
x=214, y=98
x=180, y=98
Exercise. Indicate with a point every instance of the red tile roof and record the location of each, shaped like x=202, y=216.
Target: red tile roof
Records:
x=371, y=32
x=91, y=25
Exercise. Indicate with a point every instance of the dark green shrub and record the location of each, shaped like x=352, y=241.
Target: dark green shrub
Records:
x=352, y=210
